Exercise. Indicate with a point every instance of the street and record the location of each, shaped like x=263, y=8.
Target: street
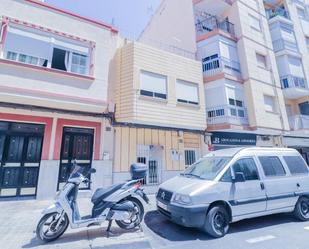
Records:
x=18, y=220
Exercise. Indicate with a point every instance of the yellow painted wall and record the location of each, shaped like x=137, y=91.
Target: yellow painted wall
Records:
x=127, y=139
x=133, y=108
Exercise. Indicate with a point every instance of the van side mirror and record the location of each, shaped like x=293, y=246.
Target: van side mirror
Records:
x=92, y=171
x=239, y=177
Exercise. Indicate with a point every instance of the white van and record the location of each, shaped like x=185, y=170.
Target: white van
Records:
x=234, y=184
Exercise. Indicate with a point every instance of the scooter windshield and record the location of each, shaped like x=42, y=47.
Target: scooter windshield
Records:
x=76, y=172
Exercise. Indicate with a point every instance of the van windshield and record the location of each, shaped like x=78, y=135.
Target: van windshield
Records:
x=207, y=168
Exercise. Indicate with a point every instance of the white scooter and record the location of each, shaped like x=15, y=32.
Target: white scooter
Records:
x=121, y=202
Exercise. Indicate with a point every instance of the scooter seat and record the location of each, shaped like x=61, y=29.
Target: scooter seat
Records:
x=101, y=193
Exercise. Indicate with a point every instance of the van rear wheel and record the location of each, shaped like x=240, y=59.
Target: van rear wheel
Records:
x=217, y=222
x=301, y=211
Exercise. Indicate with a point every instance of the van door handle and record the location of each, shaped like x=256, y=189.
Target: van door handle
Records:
x=298, y=185
x=262, y=185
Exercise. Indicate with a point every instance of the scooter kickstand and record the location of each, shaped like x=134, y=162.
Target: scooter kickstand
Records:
x=108, y=230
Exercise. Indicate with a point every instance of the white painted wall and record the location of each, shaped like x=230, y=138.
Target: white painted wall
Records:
x=53, y=84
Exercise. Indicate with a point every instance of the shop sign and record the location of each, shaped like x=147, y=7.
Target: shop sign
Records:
x=229, y=138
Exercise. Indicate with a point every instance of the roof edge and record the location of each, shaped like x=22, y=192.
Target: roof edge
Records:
x=66, y=12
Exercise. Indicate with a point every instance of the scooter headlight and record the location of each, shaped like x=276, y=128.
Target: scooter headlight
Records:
x=182, y=199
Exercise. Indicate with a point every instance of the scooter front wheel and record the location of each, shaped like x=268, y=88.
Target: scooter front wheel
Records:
x=52, y=226
x=136, y=217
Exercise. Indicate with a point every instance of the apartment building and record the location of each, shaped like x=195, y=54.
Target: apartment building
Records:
x=289, y=27
x=254, y=58
x=160, y=112
x=54, y=105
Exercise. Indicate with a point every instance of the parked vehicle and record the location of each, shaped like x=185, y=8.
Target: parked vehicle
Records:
x=234, y=184
x=121, y=202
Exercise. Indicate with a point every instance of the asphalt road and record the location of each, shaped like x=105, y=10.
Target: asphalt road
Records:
x=18, y=220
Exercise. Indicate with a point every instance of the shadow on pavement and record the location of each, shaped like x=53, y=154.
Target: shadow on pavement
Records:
x=173, y=232
x=86, y=236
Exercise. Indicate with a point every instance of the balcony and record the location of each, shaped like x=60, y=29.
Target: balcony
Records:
x=211, y=23
x=218, y=8
x=294, y=87
x=215, y=64
x=227, y=114
x=299, y=122
x=289, y=46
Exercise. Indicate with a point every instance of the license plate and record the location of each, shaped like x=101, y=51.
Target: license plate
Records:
x=162, y=205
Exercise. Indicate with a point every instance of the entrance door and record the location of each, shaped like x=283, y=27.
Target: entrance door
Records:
x=77, y=143
x=20, y=156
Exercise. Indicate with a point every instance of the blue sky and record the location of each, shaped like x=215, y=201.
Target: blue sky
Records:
x=130, y=16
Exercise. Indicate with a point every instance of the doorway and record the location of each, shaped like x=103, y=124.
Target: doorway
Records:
x=77, y=144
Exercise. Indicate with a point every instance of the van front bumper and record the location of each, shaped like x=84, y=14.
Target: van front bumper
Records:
x=193, y=216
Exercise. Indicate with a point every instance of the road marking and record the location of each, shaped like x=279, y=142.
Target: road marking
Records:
x=306, y=228
x=260, y=239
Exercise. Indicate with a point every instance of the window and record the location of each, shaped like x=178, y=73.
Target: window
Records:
x=261, y=60
x=255, y=23
x=238, y=109
x=304, y=108
x=227, y=177
x=33, y=47
x=211, y=62
x=269, y=103
x=296, y=165
x=248, y=167
x=216, y=113
x=187, y=92
x=272, y=166
x=301, y=13
x=153, y=85
x=190, y=157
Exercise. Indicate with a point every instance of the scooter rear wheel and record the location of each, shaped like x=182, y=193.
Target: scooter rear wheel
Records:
x=46, y=229
x=136, y=218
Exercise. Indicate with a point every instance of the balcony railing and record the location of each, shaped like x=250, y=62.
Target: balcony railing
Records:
x=282, y=44
x=227, y=114
x=299, y=122
x=211, y=23
x=290, y=81
x=213, y=65
x=277, y=12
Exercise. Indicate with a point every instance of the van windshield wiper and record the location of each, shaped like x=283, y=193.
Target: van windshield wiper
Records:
x=189, y=174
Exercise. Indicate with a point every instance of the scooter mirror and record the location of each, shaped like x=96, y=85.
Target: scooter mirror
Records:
x=92, y=171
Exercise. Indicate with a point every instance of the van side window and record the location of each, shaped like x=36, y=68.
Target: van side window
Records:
x=296, y=165
x=248, y=167
x=272, y=166
x=227, y=177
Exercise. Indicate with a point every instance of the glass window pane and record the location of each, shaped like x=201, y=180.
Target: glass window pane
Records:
x=248, y=167
x=296, y=165
x=272, y=166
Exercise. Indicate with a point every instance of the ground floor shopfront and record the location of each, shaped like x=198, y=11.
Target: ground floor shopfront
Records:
x=166, y=152
x=37, y=150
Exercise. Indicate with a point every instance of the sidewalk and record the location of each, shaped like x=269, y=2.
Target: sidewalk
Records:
x=18, y=220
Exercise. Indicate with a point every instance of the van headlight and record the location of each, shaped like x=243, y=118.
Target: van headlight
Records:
x=182, y=199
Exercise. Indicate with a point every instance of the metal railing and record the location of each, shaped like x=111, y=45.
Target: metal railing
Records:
x=291, y=81
x=221, y=64
x=277, y=12
x=227, y=114
x=282, y=44
x=299, y=122
x=211, y=23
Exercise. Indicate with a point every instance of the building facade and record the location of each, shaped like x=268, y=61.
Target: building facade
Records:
x=54, y=104
x=160, y=112
x=254, y=60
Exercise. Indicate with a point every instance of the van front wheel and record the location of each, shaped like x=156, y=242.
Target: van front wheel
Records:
x=217, y=222
x=301, y=210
